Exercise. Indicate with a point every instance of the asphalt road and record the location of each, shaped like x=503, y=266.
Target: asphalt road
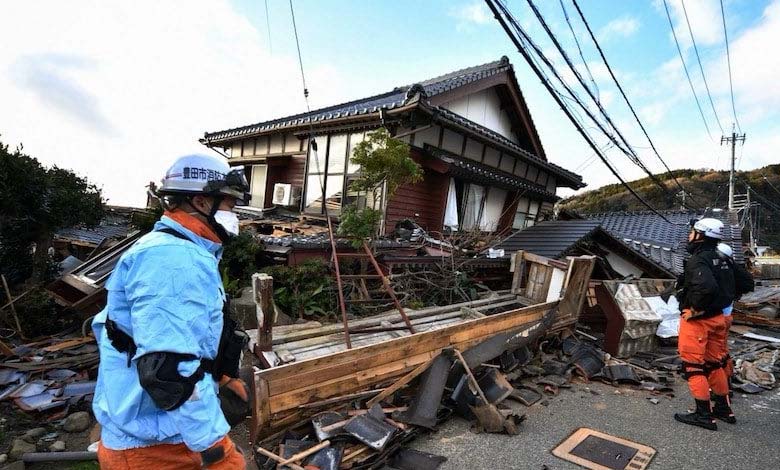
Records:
x=753, y=443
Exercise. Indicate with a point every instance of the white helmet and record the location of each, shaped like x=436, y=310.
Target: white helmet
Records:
x=204, y=174
x=709, y=227
x=726, y=250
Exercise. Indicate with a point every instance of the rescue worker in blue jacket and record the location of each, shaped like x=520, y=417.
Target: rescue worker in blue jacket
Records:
x=159, y=335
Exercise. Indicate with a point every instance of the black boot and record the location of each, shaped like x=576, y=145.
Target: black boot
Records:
x=702, y=417
x=722, y=409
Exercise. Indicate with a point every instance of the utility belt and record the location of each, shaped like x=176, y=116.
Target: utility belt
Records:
x=232, y=341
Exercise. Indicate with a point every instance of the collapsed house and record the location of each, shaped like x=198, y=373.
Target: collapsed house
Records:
x=470, y=130
x=638, y=258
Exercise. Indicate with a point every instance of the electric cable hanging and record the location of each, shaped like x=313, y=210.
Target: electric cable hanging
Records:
x=268, y=28
x=626, y=148
x=701, y=68
x=628, y=102
x=494, y=6
x=685, y=67
x=579, y=49
x=728, y=61
x=770, y=183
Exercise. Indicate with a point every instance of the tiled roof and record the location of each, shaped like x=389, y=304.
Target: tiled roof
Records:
x=401, y=96
x=490, y=175
x=550, y=239
x=650, y=234
x=480, y=129
x=95, y=235
x=556, y=238
x=389, y=100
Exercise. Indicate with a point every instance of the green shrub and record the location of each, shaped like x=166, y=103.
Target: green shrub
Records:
x=304, y=291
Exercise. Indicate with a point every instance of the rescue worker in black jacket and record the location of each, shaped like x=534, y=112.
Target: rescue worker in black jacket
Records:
x=708, y=289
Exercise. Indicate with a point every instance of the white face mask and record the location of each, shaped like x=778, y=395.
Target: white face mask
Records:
x=228, y=220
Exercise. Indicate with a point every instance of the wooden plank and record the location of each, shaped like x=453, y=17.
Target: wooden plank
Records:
x=263, y=291
x=322, y=374
x=322, y=341
x=536, y=259
x=518, y=263
x=576, y=290
x=357, y=353
x=261, y=408
x=376, y=320
x=400, y=383
x=345, y=384
x=69, y=344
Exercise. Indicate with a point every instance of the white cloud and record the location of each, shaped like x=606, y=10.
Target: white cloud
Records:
x=117, y=90
x=622, y=27
x=470, y=14
x=705, y=19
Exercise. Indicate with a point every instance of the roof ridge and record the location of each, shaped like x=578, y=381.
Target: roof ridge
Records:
x=502, y=62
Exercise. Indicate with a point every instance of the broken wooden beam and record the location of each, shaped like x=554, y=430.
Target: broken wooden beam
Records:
x=263, y=291
x=399, y=383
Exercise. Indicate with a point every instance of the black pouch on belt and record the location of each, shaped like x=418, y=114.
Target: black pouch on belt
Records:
x=232, y=341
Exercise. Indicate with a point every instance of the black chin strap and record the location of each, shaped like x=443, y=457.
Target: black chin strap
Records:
x=217, y=227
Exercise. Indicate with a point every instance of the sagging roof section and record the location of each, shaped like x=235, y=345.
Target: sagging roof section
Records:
x=646, y=232
x=558, y=238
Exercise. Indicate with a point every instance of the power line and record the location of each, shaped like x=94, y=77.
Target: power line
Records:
x=701, y=68
x=625, y=97
x=579, y=49
x=770, y=183
x=728, y=61
x=627, y=150
x=300, y=58
x=494, y=6
x=685, y=67
x=268, y=28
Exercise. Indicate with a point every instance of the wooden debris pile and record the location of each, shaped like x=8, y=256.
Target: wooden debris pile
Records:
x=320, y=403
x=50, y=374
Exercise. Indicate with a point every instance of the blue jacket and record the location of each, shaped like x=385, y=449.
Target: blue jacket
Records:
x=166, y=293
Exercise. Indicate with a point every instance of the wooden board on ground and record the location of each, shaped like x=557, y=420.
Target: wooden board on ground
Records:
x=596, y=450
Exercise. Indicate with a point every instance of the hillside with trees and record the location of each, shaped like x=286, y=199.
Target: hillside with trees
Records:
x=705, y=188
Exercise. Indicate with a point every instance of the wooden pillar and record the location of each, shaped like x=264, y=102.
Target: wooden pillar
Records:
x=517, y=267
x=263, y=290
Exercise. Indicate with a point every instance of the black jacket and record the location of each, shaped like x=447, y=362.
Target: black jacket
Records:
x=709, y=284
x=743, y=281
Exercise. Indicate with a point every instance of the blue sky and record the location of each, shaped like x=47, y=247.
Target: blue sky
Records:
x=117, y=90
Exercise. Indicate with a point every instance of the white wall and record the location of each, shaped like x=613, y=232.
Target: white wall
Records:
x=620, y=264
x=484, y=107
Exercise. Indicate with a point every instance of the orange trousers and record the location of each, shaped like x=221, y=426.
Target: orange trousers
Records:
x=703, y=346
x=729, y=367
x=168, y=457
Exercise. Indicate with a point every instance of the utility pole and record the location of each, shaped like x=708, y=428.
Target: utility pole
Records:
x=733, y=141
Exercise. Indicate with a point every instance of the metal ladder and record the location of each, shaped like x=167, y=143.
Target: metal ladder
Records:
x=335, y=256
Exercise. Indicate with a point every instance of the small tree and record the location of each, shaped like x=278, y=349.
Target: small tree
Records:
x=384, y=162
x=35, y=202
